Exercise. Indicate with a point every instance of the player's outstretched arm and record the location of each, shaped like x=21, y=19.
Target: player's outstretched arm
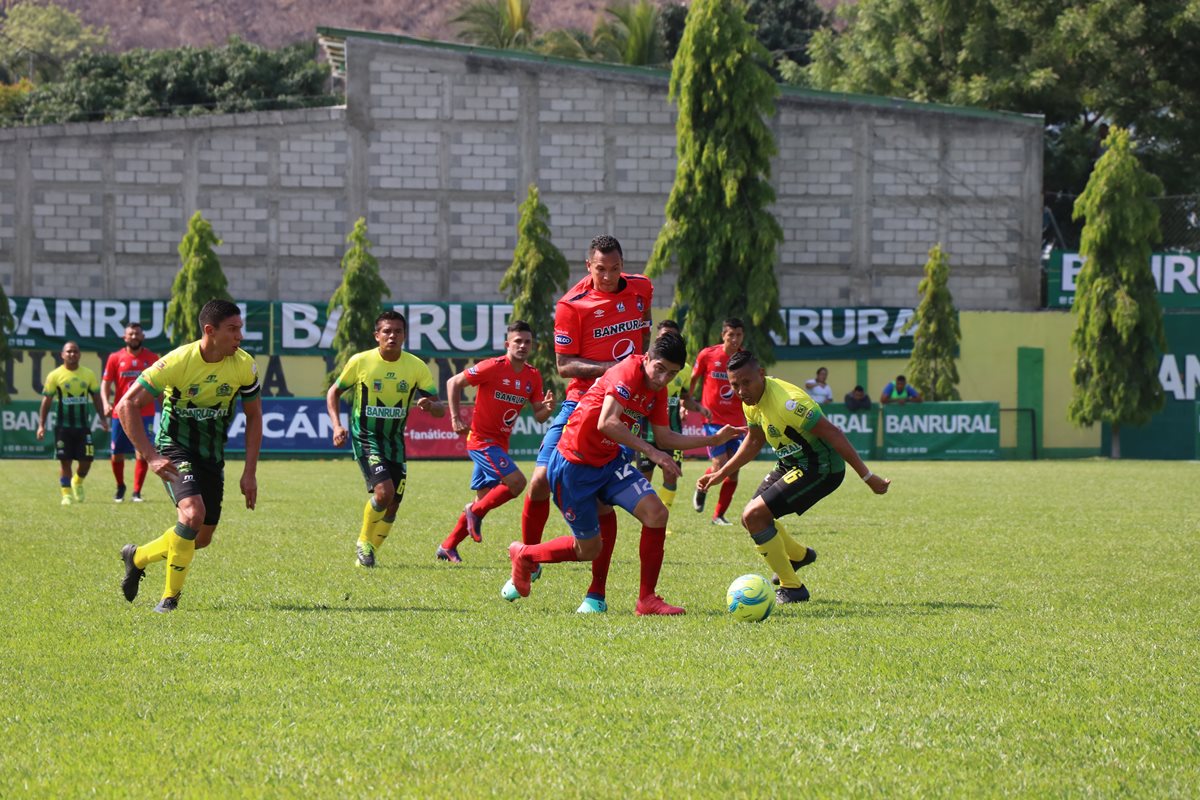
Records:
x=129, y=411
x=431, y=405
x=749, y=449
x=832, y=434
x=611, y=426
x=332, y=407
x=544, y=408
x=454, y=388
x=254, y=433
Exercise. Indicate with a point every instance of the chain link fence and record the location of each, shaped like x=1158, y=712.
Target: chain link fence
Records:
x=1179, y=221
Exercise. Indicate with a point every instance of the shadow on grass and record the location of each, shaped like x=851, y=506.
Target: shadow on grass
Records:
x=843, y=609
x=322, y=607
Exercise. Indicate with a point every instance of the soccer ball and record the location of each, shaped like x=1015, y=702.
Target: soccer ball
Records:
x=750, y=598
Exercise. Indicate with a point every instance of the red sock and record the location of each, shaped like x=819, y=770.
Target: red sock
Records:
x=728, y=487
x=498, y=496
x=118, y=468
x=553, y=551
x=457, y=535
x=140, y=469
x=651, y=550
x=533, y=519
x=608, y=540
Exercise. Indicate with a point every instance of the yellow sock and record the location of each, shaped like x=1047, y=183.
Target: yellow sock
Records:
x=153, y=551
x=77, y=486
x=667, y=496
x=380, y=531
x=66, y=491
x=770, y=544
x=179, y=556
x=795, y=550
x=370, y=517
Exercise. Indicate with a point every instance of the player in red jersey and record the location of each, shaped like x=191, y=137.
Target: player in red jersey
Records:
x=503, y=386
x=725, y=408
x=121, y=371
x=599, y=321
x=591, y=469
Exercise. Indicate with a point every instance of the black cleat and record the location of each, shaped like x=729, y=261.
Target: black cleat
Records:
x=169, y=604
x=119, y=497
x=785, y=595
x=698, y=498
x=809, y=557
x=133, y=575
x=137, y=497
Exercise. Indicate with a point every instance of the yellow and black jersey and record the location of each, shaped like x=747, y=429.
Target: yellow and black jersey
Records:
x=380, y=394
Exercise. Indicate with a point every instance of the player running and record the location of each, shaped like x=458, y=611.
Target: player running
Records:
x=73, y=390
x=199, y=384
x=385, y=384
x=121, y=371
x=723, y=408
x=599, y=321
x=590, y=467
x=813, y=453
x=503, y=386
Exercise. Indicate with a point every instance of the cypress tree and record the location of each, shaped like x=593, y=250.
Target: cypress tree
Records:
x=199, y=280
x=936, y=333
x=359, y=299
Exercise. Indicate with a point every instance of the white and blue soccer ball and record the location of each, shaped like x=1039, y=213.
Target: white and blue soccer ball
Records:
x=750, y=598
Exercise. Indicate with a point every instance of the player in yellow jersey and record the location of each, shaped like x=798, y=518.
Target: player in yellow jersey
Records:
x=813, y=453
x=74, y=391
x=199, y=385
x=385, y=383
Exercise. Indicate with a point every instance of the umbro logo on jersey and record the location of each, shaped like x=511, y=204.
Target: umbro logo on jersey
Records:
x=599, y=312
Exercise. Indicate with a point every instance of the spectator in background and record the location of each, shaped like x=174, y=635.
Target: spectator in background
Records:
x=857, y=400
x=818, y=389
x=899, y=391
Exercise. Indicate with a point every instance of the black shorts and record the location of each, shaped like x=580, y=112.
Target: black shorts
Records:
x=645, y=465
x=197, y=478
x=73, y=444
x=376, y=470
x=788, y=490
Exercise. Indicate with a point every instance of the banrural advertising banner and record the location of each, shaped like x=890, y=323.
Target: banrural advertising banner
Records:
x=859, y=427
x=1177, y=276
x=963, y=431
x=458, y=330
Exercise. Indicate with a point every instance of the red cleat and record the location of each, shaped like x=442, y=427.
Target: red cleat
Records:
x=522, y=568
x=655, y=606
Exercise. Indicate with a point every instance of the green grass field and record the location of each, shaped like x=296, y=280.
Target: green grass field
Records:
x=985, y=629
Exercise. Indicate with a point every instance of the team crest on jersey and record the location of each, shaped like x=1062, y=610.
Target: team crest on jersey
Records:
x=641, y=306
x=224, y=390
x=377, y=385
x=402, y=386
x=193, y=390
x=620, y=308
x=790, y=405
x=772, y=431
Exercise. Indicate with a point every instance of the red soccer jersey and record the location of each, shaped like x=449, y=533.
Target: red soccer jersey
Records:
x=502, y=393
x=599, y=326
x=123, y=369
x=582, y=442
x=718, y=396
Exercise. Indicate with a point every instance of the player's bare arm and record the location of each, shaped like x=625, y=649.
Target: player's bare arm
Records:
x=832, y=434
x=43, y=410
x=749, y=449
x=430, y=404
x=108, y=390
x=454, y=387
x=100, y=410
x=254, y=433
x=129, y=411
x=578, y=367
x=611, y=426
x=335, y=414
x=672, y=440
x=544, y=407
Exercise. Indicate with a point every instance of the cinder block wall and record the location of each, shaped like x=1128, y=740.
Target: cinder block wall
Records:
x=437, y=146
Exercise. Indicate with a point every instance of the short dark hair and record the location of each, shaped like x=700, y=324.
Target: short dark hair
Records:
x=901, y=378
x=669, y=324
x=605, y=243
x=742, y=358
x=133, y=324
x=217, y=311
x=733, y=322
x=669, y=346
x=518, y=326
x=858, y=389
x=391, y=315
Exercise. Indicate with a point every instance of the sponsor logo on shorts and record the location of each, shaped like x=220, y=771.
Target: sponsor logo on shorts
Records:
x=378, y=469
x=569, y=515
x=373, y=459
x=503, y=463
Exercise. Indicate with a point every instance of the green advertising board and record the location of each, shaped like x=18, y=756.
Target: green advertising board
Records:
x=1177, y=276
x=18, y=432
x=965, y=431
x=859, y=427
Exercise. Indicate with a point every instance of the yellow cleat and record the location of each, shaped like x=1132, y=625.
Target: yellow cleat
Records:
x=66, y=500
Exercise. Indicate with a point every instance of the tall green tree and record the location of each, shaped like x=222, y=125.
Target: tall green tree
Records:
x=359, y=298
x=534, y=281
x=936, y=333
x=38, y=40
x=1119, y=337
x=502, y=24
x=7, y=326
x=199, y=280
x=719, y=230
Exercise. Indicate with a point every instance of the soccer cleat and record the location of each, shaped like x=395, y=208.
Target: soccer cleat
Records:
x=137, y=497
x=655, y=606
x=698, y=499
x=119, y=497
x=720, y=521
x=366, y=555
x=786, y=595
x=450, y=555
x=133, y=575
x=167, y=605
x=66, y=500
x=77, y=490
x=474, y=523
x=509, y=592
x=592, y=605
x=537, y=573
x=810, y=556
x=522, y=568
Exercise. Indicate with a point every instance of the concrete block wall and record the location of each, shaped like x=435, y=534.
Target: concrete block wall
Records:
x=436, y=148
